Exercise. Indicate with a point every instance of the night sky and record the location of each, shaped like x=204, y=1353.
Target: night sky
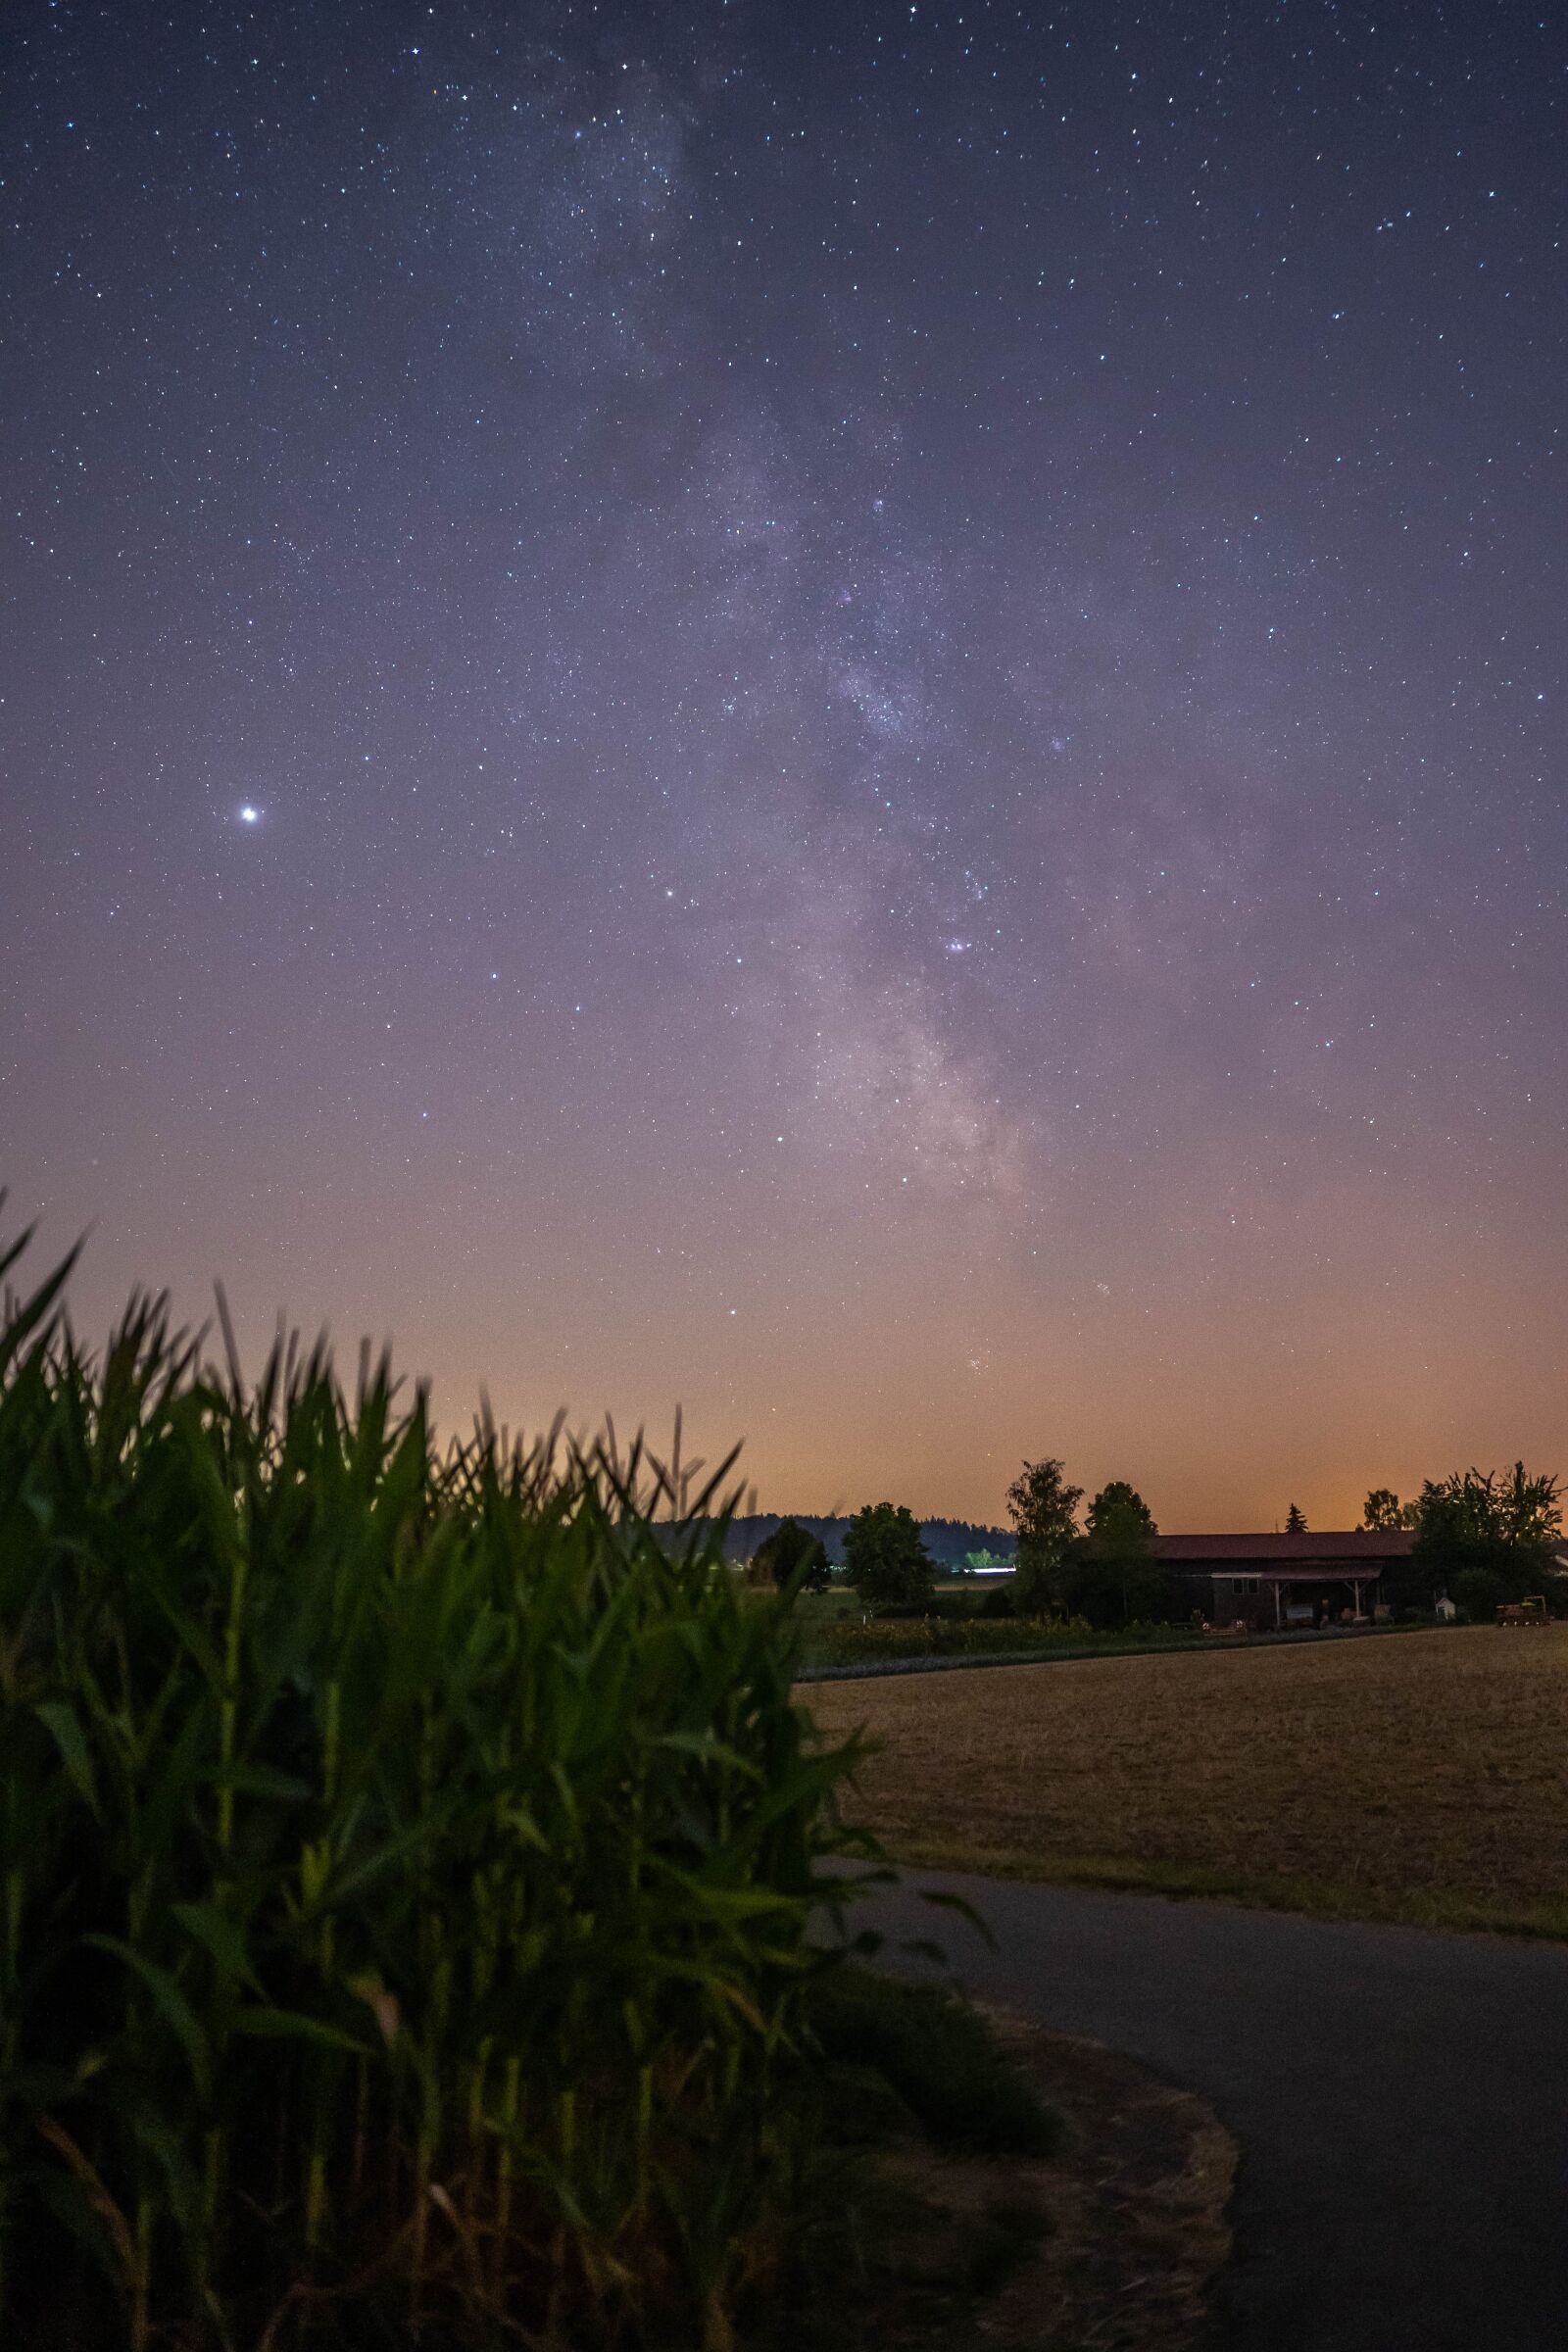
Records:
x=850, y=712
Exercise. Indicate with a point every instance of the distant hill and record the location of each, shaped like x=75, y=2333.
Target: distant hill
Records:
x=948, y=1540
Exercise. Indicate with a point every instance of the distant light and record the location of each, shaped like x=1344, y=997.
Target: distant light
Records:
x=249, y=815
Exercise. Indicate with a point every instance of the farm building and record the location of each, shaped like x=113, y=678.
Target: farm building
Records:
x=1269, y=1581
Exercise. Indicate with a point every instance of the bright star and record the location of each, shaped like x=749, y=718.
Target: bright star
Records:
x=249, y=815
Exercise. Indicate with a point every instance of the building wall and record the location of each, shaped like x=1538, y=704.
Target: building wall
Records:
x=1234, y=1598
x=1231, y=1599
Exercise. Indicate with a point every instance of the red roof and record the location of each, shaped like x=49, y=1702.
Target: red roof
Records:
x=1338, y=1545
x=1317, y=1572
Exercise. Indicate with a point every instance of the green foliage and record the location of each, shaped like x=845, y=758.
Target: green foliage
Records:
x=983, y=1635
x=1503, y=1525
x=1384, y=1509
x=840, y=1600
x=1296, y=1520
x=1044, y=1509
x=939, y=2057
x=884, y=1557
x=1480, y=1594
x=409, y=1869
x=792, y=1555
x=1107, y=1575
x=1119, y=1520
x=1111, y=1577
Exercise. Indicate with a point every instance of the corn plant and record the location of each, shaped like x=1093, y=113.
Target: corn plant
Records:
x=409, y=1868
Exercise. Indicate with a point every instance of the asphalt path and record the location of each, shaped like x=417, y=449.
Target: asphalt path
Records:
x=1400, y=2097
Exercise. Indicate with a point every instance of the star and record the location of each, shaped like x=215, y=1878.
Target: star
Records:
x=554, y=476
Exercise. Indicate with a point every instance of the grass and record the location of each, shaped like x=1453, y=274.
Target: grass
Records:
x=409, y=1871
x=941, y=2134
x=1254, y=1890
x=1421, y=1780
x=938, y=2058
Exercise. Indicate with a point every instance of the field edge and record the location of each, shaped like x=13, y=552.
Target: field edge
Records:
x=1251, y=1890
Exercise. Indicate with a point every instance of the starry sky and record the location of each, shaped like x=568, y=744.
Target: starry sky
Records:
x=848, y=712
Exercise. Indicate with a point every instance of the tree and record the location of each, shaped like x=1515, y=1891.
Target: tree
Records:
x=791, y=1554
x=1111, y=1575
x=1382, y=1508
x=1119, y=1521
x=1475, y=1525
x=1044, y=1509
x=1478, y=1593
x=1296, y=1520
x=885, y=1558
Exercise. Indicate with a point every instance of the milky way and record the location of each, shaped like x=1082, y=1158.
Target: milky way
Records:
x=853, y=714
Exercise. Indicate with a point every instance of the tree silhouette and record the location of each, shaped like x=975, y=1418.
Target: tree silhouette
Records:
x=791, y=1550
x=887, y=1563
x=1113, y=1577
x=1499, y=1530
x=1044, y=1509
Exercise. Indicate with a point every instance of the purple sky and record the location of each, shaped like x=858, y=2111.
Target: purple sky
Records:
x=853, y=713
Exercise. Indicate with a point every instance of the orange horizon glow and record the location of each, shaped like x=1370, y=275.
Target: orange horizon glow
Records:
x=1221, y=1409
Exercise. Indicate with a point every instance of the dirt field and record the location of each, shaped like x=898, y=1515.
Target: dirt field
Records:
x=1420, y=1777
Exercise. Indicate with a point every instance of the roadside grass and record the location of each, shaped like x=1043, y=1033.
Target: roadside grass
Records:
x=937, y=2057
x=1422, y=1780
x=944, y=2145
x=1255, y=1891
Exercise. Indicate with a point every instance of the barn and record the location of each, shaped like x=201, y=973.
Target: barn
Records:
x=1273, y=1580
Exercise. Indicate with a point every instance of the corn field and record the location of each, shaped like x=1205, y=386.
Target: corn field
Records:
x=408, y=1863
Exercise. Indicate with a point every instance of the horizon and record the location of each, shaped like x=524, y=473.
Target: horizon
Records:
x=753, y=1502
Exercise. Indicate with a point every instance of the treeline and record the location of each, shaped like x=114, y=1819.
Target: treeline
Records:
x=1482, y=1537
x=1101, y=1569
x=947, y=1542
x=1101, y=1572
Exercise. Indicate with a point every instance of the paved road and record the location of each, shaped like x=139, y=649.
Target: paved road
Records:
x=1401, y=2099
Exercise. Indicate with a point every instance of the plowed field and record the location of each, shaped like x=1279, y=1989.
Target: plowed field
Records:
x=1419, y=1776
